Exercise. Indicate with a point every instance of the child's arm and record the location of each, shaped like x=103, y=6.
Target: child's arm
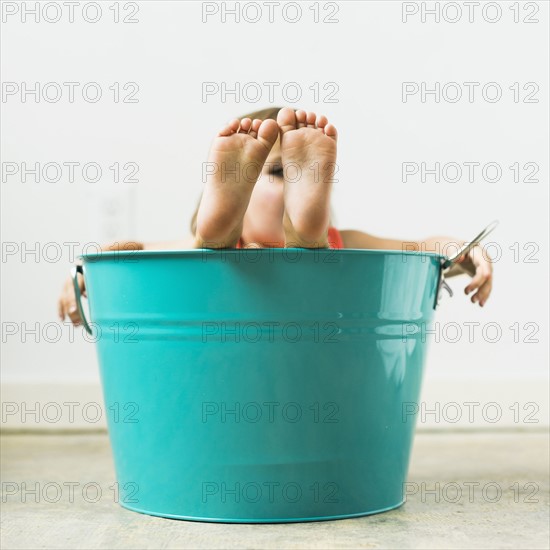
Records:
x=184, y=244
x=67, y=301
x=476, y=263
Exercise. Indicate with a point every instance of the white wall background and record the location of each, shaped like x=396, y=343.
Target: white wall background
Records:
x=368, y=53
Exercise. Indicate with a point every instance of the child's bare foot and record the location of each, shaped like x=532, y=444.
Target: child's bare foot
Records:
x=234, y=165
x=308, y=150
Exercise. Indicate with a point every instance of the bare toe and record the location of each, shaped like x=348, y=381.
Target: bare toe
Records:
x=268, y=132
x=230, y=128
x=254, y=128
x=246, y=123
x=310, y=120
x=322, y=121
x=286, y=119
x=331, y=131
x=301, y=117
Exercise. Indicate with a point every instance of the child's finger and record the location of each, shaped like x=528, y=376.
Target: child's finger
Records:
x=486, y=292
x=67, y=302
x=60, y=310
x=482, y=274
x=72, y=311
x=482, y=295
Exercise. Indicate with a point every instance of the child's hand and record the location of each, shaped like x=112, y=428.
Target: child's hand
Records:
x=67, y=301
x=479, y=265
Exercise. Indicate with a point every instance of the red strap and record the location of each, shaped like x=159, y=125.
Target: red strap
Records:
x=334, y=238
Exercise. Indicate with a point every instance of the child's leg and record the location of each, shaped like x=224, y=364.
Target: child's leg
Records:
x=308, y=150
x=234, y=165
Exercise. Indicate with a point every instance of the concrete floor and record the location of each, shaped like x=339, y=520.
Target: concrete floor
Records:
x=505, y=458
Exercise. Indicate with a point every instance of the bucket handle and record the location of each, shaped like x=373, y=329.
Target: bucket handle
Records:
x=74, y=274
x=449, y=262
x=468, y=246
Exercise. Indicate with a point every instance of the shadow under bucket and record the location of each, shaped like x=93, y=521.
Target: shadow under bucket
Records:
x=261, y=385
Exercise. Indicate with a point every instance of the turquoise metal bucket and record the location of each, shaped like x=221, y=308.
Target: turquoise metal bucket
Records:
x=262, y=385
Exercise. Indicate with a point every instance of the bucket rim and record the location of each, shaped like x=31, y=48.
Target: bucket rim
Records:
x=200, y=252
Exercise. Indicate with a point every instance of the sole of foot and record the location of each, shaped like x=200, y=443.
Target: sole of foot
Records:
x=308, y=150
x=235, y=162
